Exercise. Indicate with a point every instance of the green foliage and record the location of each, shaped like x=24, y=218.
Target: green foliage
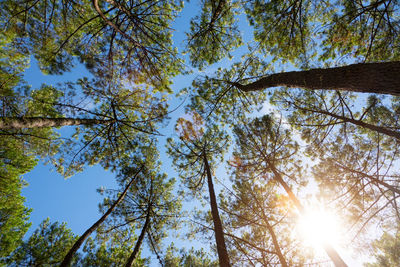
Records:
x=14, y=215
x=151, y=195
x=365, y=30
x=127, y=46
x=47, y=246
x=219, y=102
x=284, y=29
x=261, y=215
x=109, y=252
x=135, y=35
x=214, y=33
x=196, y=140
x=386, y=251
x=198, y=258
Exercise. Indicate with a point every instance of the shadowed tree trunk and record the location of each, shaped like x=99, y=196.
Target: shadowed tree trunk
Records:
x=67, y=259
x=40, y=122
x=219, y=233
x=379, y=78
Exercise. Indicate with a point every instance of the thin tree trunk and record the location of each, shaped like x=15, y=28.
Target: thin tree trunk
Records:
x=372, y=127
x=219, y=233
x=67, y=259
x=40, y=122
x=332, y=253
x=372, y=178
x=379, y=78
x=275, y=241
x=138, y=244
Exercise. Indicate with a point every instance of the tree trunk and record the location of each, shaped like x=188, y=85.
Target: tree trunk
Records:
x=132, y=257
x=67, y=259
x=332, y=253
x=275, y=241
x=372, y=178
x=379, y=78
x=372, y=127
x=219, y=233
x=40, y=122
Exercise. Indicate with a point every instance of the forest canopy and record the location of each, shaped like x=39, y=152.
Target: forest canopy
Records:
x=282, y=149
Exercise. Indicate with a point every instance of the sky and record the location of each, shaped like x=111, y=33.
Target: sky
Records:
x=75, y=200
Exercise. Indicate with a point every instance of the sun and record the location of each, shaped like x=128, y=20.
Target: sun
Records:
x=318, y=226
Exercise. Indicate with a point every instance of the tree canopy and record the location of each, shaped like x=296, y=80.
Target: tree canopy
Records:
x=292, y=106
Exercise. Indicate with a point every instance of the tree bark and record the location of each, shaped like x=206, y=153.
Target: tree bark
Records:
x=379, y=78
x=40, y=122
x=67, y=259
x=219, y=233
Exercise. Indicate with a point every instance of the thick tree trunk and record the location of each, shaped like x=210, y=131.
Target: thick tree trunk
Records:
x=139, y=242
x=219, y=233
x=332, y=253
x=379, y=78
x=40, y=122
x=67, y=259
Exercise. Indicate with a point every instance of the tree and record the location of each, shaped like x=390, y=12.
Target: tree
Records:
x=213, y=34
x=68, y=258
x=111, y=251
x=261, y=221
x=116, y=59
x=193, y=155
x=175, y=258
x=19, y=149
x=386, y=251
x=149, y=209
x=45, y=247
x=339, y=48
x=264, y=147
x=317, y=114
x=102, y=34
x=14, y=216
x=359, y=177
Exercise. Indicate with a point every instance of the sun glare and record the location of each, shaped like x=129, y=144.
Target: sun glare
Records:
x=318, y=226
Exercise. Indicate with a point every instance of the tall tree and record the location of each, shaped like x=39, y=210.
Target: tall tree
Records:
x=102, y=34
x=194, y=157
x=110, y=251
x=264, y=147
x=68, y=258
x=45, y=247
x=149, y=209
